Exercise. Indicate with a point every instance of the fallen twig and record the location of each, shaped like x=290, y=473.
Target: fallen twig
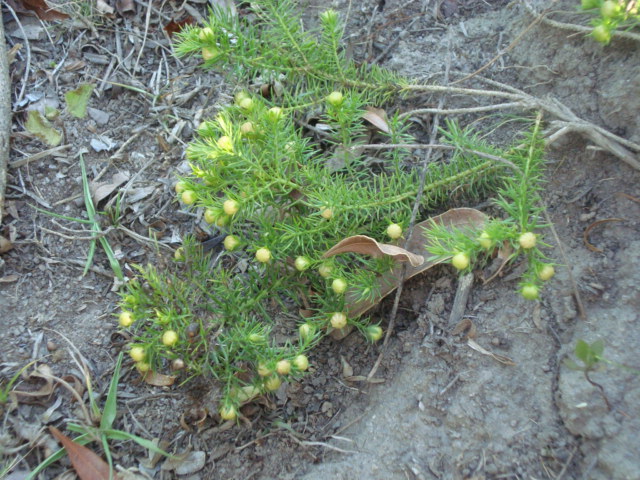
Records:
x=5, y=116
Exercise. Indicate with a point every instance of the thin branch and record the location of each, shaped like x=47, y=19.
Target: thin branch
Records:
x=5, y=115
x=459, y=111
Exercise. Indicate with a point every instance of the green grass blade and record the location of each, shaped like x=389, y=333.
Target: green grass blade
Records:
x=110, y=405
x=62, y=217
x=113, y=262
x=91, y=213
x=82, y=440
x=143, y=442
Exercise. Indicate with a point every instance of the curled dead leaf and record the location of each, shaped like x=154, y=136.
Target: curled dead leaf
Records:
x=465, y=326
x=416, y=244
x=42, y=372
x=378, y=118
x=158, y=379
x=125, y=7
x=101, y=190
x=368, y=246
x=585, y=235
x=87, y=464
x=5, y=245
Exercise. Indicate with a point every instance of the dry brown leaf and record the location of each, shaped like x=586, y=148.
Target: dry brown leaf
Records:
x=459, y=218
x=176, y=26
x=500, y=358
x=378, y=118
x=40, y=8
x=368, y=246
x=347, y=370
x=465, y=326
x=125, y=7
x=42, y=372
x=158, y=379
x=5, y=245
x=9, y=278
x=586, y=233
x=104, y=8
x=101, y=190
x=86, y=463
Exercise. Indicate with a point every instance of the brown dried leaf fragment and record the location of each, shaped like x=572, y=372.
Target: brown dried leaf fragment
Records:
x=368, y=246
x=40, y=8
x=158, y=379
x=585, y=235
x=378, y=118
x=416, y=244
x=87, y=464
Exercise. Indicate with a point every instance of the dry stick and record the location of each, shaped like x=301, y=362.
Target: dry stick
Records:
x=438, y=146
x=458, y=111
x=412, y=221
x=576, y=28
x=5, y=116
x=147, y=20
x=3, y=52
x=601, y=137
x=38, y=156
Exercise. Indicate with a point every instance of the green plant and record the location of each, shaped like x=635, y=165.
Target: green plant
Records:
x=514, y=235
x=284, y=192
x=94, y=224
x=104, y=431
x=611, y=15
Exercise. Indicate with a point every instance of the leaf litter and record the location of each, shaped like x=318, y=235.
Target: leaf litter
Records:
x=413, y=253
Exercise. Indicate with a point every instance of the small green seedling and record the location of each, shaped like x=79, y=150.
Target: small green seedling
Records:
x=94, y=223
x=590, y=355
x=104, y=431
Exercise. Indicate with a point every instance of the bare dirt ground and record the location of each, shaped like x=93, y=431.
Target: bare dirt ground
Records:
x=444, y=410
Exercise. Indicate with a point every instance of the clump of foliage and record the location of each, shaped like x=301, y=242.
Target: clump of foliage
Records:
x=515, y=235
x=611, y=15
x=284, y=192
